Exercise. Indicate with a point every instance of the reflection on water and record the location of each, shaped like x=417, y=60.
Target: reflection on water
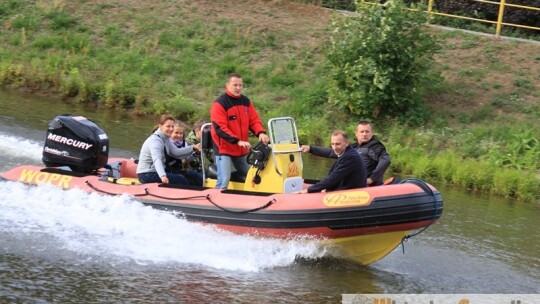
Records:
x=491, y=229
x=69, y=246
x=30, y=116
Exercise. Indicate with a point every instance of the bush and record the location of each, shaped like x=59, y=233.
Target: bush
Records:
x=376, y=67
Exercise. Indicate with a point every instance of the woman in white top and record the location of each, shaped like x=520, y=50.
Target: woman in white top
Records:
x=151, y=166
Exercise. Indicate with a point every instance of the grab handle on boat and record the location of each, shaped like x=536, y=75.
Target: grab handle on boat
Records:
x=420, y=183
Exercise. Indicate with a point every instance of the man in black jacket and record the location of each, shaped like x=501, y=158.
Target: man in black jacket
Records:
x=371, y=150
x=347, y=172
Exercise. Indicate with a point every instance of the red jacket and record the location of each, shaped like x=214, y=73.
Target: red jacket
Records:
x=232, y=119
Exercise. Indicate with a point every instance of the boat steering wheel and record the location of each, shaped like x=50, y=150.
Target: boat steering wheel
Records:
x=258, y=155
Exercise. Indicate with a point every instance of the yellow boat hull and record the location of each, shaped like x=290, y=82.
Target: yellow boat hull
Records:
x=365, y=249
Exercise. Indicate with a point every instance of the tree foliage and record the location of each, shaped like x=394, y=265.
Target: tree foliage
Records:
x=379, y=61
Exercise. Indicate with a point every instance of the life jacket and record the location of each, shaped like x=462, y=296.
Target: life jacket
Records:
x=175, y=165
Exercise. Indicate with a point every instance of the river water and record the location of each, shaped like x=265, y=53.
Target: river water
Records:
x=71, y=246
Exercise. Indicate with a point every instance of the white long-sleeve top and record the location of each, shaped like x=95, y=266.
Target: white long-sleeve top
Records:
x=152, y=156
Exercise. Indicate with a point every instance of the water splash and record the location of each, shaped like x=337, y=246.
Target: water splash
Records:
x=13, y=148
x=119, y=228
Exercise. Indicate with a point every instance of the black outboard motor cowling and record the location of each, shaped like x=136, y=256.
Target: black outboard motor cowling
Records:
x=77, y=142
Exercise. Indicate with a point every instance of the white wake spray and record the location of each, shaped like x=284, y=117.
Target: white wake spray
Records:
x=119, y=228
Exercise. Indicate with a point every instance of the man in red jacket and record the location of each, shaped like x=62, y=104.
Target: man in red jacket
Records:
x=233, y=116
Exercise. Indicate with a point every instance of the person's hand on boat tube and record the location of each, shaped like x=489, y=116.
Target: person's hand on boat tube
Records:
x=165, y=179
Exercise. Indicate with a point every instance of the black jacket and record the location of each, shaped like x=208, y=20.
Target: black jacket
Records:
x=347, y=172
x=373, y=155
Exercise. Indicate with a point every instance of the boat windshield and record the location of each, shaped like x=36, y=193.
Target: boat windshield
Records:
x=283, y=131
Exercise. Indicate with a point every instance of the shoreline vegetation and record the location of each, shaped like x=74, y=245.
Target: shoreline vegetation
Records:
x=481, y=132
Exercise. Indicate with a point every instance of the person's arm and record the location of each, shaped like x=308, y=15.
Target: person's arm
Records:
x=342, y=168
x=157, y=150
x=379, y=154
x=179, y=153
x=220, y=123
x=322, y=151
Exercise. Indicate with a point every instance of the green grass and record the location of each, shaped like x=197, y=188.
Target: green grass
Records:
x=488, y=159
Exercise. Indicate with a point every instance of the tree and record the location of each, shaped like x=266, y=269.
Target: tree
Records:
x=379, y=61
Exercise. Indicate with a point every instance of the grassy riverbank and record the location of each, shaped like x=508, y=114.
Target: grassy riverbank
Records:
x=171, y=56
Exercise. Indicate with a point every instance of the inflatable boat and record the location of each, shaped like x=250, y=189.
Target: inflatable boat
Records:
x=362, y=225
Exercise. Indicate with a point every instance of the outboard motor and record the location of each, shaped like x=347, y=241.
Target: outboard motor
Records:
x=77, y=142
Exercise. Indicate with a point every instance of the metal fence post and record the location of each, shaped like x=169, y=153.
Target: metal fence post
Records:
x=430, y=6
x=429, y=10
x=500, y=18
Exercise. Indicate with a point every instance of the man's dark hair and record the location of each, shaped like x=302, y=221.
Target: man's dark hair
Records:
x=233, y=75
x=342, y=133
x=364, y=122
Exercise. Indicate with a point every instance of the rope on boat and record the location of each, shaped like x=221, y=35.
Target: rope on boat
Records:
x=109, y=193
x=174, y=198
x=427, y=189
x=146, y=192
x=241, y=211
x=208, y=197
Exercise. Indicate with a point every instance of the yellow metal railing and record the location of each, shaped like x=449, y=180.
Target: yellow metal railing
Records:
x=499, y=23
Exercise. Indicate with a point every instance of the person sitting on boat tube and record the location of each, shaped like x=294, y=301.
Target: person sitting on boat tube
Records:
x=233, y=116
x=151, y=166
x=347, y=172
x=371, y=150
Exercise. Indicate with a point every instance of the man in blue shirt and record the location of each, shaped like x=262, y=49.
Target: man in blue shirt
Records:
x=347, y=172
